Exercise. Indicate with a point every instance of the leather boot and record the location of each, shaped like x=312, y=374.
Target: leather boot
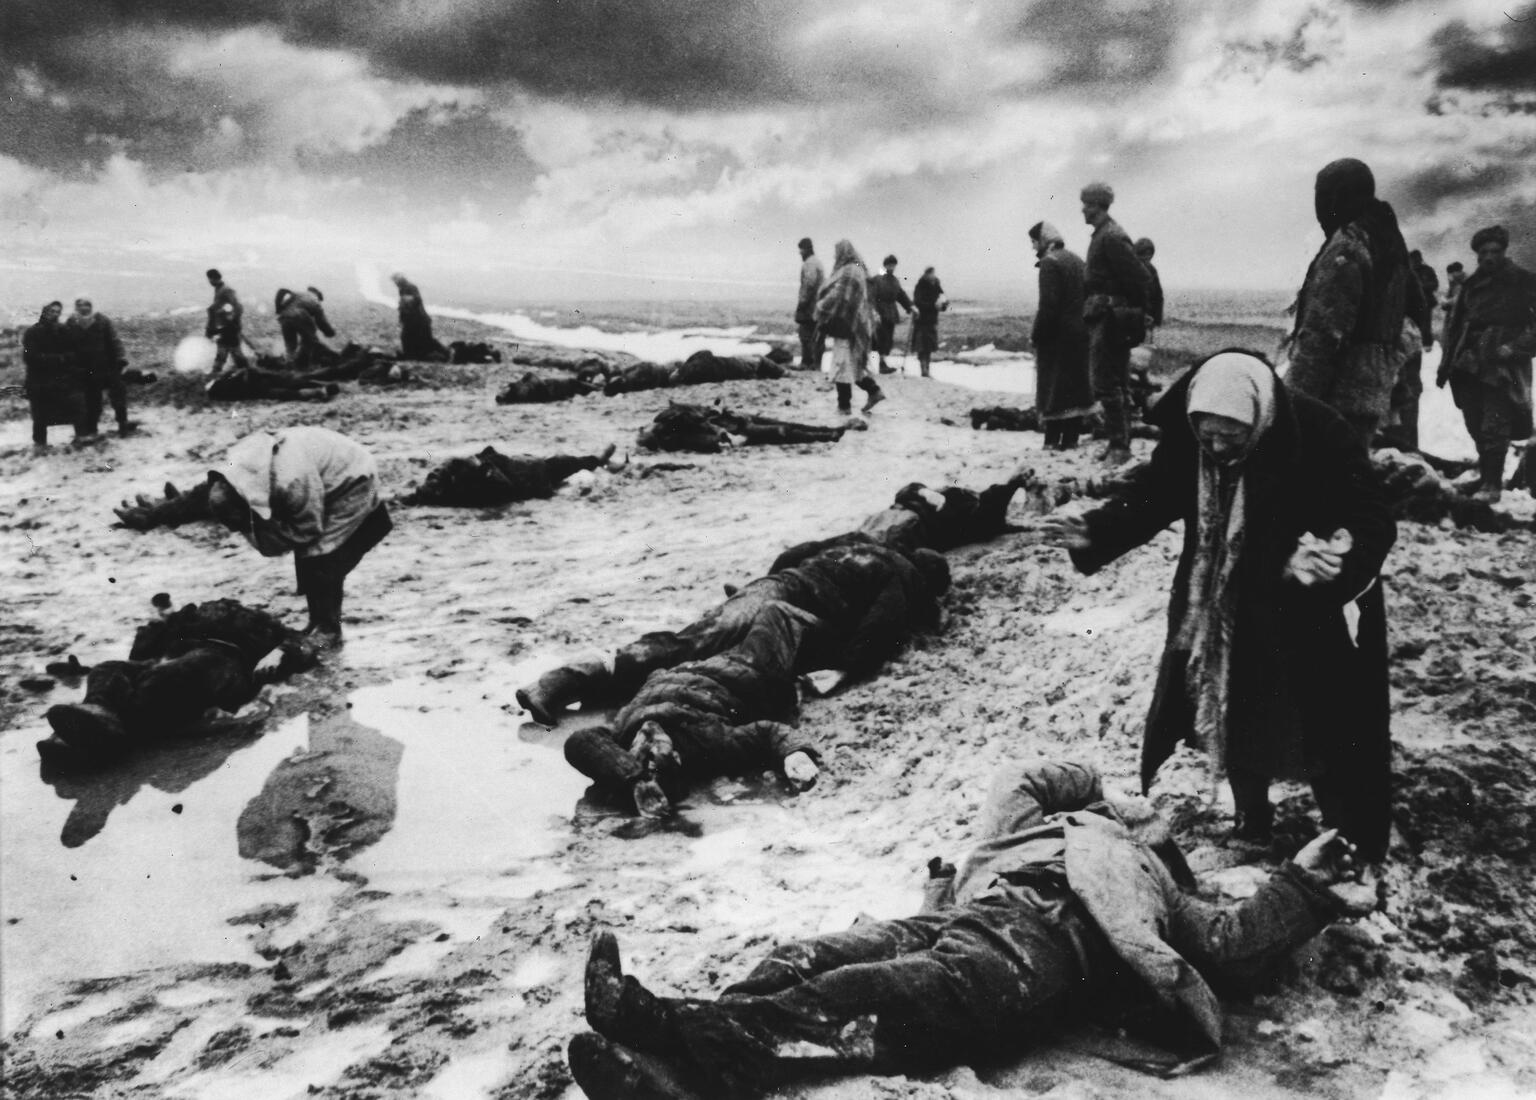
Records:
x=560, y=687
x=1491, y=464
x=95, y=733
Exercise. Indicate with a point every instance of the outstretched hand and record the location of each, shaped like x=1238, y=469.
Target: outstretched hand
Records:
x=1336, y=860
x=1064, y=532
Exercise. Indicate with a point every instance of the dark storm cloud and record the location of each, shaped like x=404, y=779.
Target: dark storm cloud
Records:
x=1503, y=59
x=1098, y=43
x=1425, y=191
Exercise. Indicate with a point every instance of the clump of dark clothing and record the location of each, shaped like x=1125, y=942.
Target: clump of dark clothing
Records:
x=933, y=519
x=491, y=478
x=1063, y=913
x=257, y=384
x=698, y=369
x=578, y=359
x=1002, y=418
x=1417, y=492
x=707, y=430
x=531, y=389
x=55, y=380
x=869, y=599
x=172, y=510
x=464, y=351
x=272, y=379
x=203, y=656
x=735, y=713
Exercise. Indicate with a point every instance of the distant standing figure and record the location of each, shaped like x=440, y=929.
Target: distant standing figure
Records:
x=55, y=383
x=1401, y=428
x=1455, y=279
x=1429, y=282
x=888, y=293
x=1347, y=346
x=100, y=352
x=1115, y=290
x=416, y=339
x=812, y=275
x=299, y=316
x=843, y=313
x=1491, y=337
x=1145, y=250
x=224, y=323
x=310, y=491
x=1060, y=337
x=928, y=301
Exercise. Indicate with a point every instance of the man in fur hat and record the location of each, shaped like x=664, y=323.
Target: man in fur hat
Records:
x=1490, y=338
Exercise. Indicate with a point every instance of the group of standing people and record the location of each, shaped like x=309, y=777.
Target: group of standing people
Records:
x=859, y=314
x=70, y=366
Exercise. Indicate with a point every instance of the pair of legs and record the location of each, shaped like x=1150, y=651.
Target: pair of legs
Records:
x=885, y=337
x=973, y=983
x=229, y=344
x=925, y=341
x=41, y=422
x=1061, y=433
x=129, y=702
x=320, y=579
x=300, y=338
x=762, y=430
x=117, y=393
x=868, y=385
x=1109, y=368
x=1491, y=418
x=811, y=349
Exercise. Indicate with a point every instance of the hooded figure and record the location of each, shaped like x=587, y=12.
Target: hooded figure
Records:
x=311, y=491
x=100, y=352
x=843, y=313
x=1063, y=392
x=1276, y=661
x=1347, y=345
x=928, y=302
x=416, y=339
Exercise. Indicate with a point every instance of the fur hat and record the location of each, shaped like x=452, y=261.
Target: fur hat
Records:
x=1493, y=234
x=1100, y=194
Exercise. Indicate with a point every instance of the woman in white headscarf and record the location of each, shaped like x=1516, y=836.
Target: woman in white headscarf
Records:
x=1276, y=661
x=844, y=315
x=311, y=491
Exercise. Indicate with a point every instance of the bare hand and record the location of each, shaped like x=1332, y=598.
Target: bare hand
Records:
x=1064, y=532
x=1327, y=854
x=1318, y=562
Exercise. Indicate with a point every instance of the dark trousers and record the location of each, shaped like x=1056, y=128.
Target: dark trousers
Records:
x=300, y=338
x=811, y=349
x=229, y=344
x=885, y=337
x=117, y=393
x=1492, y=420
x=320, y=578
x=1062, y=434
x=157, y=698
x=1109, y=368
x=763, y=430
x=906, y=996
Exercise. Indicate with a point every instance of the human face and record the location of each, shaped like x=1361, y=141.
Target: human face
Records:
x=1093, y=213
x=1490, y=255
x=51, y=314
x=1223, y=438
x=83, y=310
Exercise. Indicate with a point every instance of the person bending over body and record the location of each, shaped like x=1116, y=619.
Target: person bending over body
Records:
x=869, y=598
x=205, y=655
x=491, y=478
x=1069, y=904
x=731, y=714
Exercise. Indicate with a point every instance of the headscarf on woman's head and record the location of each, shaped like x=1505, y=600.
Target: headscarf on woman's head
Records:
x=1238, y=385
x=1046, y=233
x=843, y=253
x=55, y=304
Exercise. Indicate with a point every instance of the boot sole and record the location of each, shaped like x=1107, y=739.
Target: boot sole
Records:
x=537, y=713
x=605, y=1070
x=85, y=732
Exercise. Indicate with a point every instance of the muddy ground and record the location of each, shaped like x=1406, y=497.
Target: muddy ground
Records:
x=380, y=882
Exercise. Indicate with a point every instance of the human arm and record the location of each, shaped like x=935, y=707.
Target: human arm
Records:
x=1147, y=501
x=321, y=321
x=174, y=509
x=114, y=344
x=1024, y=796
x=1331, y=306
x=903, y=299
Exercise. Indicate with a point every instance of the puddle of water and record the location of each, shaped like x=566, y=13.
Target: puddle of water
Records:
x=102, y=877
x=476, y=804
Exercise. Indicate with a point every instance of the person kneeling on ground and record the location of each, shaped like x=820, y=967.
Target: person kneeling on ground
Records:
x=1069, y=907
x=205, y=655
x=731, y=714
x=491, y=478
x=869, y=599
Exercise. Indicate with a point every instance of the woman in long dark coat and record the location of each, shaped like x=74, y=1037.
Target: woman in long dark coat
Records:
x=1063, y=394
x=1276, y=660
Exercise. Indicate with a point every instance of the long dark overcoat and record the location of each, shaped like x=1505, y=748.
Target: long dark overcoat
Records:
x=1308, y=679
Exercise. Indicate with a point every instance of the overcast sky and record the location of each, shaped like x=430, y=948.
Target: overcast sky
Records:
x=511, y=147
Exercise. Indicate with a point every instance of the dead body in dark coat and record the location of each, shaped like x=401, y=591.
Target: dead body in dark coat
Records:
x=491, y=478
x=532, y=389
x=735, y=713
x=705, y=429
x=203, y=656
